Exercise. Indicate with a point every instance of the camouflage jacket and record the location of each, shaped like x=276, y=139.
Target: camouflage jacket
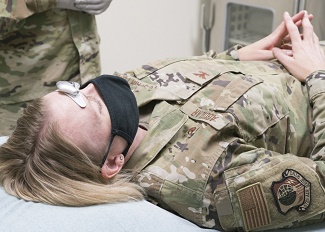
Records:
x=231, y=145
x=40, y=45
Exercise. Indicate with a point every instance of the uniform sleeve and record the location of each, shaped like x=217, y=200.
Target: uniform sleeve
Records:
x=316, y=89
x=229, y=54
x=40, y=5
x=14, y=12
x=267, y=189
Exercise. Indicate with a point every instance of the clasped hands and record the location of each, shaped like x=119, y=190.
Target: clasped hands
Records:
x=90, y=6
x=301, y=54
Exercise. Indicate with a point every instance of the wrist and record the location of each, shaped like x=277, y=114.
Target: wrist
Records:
x=315, y=84
x=318, y=74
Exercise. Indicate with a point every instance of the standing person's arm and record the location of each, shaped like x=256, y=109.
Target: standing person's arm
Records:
x=19, y=10
x=12, y=16
x=14, y=13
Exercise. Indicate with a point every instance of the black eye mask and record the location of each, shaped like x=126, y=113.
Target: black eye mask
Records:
x=121, y=105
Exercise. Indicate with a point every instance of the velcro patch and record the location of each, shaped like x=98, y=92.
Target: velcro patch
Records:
x=253, y=207
x=213, y=118
x=293, y=191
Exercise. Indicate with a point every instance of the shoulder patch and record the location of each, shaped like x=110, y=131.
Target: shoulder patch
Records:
x=292, y=191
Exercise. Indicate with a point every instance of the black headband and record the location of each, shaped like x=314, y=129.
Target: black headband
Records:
x=121, y=105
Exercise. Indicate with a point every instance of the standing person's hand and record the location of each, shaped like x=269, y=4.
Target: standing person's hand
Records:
x=66, y=4
x=92, y=6
x=262, y=49
x=307, y=55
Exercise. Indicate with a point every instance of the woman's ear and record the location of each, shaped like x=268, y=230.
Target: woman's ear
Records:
x=112, y=166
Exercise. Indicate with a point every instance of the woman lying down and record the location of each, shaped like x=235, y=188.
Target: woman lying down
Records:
x=233, y=141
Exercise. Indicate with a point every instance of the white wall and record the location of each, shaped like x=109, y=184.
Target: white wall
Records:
x=134, y=32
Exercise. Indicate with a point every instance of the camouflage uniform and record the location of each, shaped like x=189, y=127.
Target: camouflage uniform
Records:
x=231, y=145
x=40, y=45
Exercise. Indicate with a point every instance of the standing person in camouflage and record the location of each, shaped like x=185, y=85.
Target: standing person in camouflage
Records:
x=42, y=42
x=225, y=141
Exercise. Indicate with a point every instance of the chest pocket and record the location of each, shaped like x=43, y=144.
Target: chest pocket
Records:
x=211, y=104
x=250, y=101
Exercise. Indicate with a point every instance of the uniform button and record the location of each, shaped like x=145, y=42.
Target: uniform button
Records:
x=191, y=131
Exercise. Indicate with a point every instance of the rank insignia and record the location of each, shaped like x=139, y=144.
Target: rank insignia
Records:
x=293, y=191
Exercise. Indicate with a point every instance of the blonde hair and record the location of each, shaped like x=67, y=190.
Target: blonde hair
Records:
x=38, y=164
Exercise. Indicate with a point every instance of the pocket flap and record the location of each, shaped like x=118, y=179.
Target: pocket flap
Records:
x=233, y=90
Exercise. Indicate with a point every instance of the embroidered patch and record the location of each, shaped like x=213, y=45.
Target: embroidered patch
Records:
x=254, y=208
x=293, y=191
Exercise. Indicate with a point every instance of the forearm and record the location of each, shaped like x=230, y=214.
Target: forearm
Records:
x=262, y=175
x=316, y=89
